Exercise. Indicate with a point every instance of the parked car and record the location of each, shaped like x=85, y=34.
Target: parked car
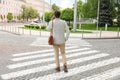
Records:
x=11, y=21
x=35, y=22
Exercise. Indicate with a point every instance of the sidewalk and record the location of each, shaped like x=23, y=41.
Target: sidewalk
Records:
x=93, y=35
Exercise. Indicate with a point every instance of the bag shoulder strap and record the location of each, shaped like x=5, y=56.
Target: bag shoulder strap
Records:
x=51, y=33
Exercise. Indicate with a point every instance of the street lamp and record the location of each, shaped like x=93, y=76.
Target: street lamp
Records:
x=75, y=14
x=51, y=4
x=43, y=10
x=98, y=13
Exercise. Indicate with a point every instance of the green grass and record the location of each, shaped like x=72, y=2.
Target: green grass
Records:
x=93, y=27
x=78, y=31
x=85, y=28
x=88, y=26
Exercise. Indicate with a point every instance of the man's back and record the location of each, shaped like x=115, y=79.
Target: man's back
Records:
x=59, y=27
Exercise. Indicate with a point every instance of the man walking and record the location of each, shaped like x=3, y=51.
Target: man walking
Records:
x=59, y=26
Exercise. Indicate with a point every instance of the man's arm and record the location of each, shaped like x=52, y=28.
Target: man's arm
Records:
x=49, y=27
x=67, y=31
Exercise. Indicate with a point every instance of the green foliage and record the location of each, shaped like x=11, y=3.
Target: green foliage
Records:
x=19, y=17
x=55, y=7
x=67, y=14
x=48, y=16
x=89, y=9
x=70, y=28
x=9, y=16
x=32, y=26
x=105, y=13
x=43, y=27
x=33, y=13
x=79, y=9
x=29, y=13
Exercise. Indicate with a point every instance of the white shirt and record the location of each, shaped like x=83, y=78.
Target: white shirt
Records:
x=59, y=28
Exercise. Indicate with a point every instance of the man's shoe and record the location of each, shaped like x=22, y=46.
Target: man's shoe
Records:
x=57, y=69
x=65, y=68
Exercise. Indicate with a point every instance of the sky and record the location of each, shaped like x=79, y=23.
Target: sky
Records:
x=63, y=3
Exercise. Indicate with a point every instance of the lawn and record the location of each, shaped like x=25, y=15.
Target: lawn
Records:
x=85, y=28
x=93, y=27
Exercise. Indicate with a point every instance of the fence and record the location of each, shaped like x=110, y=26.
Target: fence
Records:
x=93, y=33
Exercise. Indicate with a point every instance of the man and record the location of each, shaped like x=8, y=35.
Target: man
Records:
x=59, y=26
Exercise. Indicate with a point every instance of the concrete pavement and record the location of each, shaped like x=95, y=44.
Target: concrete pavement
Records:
x=94, y=34
x=29, y=60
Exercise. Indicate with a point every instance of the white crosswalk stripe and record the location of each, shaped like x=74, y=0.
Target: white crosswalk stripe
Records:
x=36, y=52
x=48, y=54
x=76, y=70
x=43, y=42
x=51, y=59
x=75, y=55
x=105, y=75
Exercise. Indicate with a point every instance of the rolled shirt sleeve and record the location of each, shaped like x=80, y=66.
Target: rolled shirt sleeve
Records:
x=67, y=31
x=49, y=27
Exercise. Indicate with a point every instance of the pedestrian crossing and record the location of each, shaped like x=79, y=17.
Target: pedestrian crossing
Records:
x=43, y=41
x=41, y=64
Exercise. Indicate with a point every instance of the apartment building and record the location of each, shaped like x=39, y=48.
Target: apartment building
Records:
x=14, y=7
x=40, y=5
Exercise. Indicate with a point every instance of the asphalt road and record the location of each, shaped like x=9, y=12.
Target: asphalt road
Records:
x=89, y=59
x=111, y=46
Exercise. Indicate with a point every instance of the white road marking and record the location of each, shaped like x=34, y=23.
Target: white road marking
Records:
x=42, y=51
x=71, y=71
x=17, y=65
x=74, y=71
x=45, y=55
x=105, y=75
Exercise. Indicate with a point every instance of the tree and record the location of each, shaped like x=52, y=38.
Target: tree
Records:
x=33, y=13
x=79, y=9
x=19, y=17
x=29, y=13
x=24, y=12
x=67, y=14
x=89, y=9
x=55, y=7
x=48, y=16
x=9, y=16
x=105, y=14
x=117, y=6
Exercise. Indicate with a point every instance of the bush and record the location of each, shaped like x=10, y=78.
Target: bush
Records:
x=32, y=26
x=70, y=28
x=43, y=27
x=27, y=26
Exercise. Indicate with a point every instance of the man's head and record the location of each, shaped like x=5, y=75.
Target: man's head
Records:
x=57, y=14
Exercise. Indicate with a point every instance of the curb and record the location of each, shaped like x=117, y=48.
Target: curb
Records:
x=104, y=38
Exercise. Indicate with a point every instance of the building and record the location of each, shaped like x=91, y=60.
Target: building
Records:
x=14, y=7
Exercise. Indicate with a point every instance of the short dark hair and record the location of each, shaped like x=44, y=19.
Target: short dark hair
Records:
x=57, y=14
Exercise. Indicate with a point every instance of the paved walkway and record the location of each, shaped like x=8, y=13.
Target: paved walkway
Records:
x=94, y=34
x=84, y=62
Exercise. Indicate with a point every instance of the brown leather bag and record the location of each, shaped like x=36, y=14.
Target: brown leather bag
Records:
x=50, y=39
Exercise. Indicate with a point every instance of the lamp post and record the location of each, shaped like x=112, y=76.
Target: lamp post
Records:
x=43, y=10
x=75, y=14
x=98, y=13
x=51, y=4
